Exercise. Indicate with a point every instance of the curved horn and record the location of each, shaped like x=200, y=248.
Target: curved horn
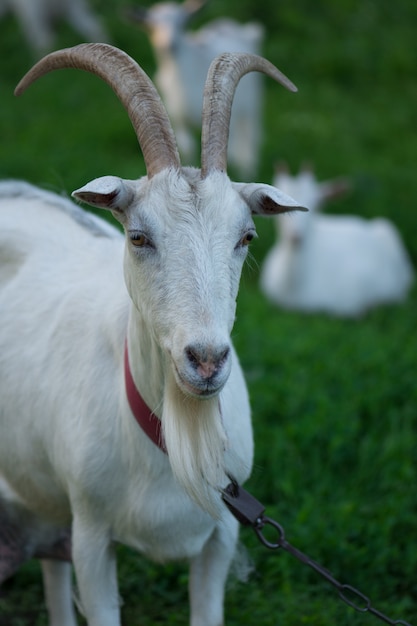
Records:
x=223, y=77
x=134, y=89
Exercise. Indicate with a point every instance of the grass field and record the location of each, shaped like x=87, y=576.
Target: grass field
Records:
x=334, y=401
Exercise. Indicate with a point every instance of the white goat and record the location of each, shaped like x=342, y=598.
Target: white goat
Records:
x=183, y=59
x=341, y=265
x=36, y=18
x=82, y=351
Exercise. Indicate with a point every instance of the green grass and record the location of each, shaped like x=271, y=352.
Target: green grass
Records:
x=334, y=401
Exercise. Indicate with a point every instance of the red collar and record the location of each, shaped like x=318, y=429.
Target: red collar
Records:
x=146, y=419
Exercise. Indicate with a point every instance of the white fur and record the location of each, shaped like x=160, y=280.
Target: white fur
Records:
x=183, y=58
x=341, y=265
x=71, y=452
x=37, y=17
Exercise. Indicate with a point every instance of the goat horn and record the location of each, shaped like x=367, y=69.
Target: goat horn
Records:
x=223, y=76
x=134, y=89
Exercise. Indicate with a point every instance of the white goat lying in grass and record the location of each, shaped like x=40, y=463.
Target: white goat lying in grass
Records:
x=36, y=18
x=183, y=59
x=84, y=353
x=341, y=265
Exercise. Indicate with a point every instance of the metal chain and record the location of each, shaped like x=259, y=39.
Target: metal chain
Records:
x=250, y=512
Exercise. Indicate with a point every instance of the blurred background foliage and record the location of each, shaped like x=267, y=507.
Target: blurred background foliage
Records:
x=334, y=401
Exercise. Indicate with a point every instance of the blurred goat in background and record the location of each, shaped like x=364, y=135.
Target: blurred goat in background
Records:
x=37, y=17
x=338, y=264
x=183, y=59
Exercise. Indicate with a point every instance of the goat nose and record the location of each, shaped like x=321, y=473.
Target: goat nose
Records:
x=207, y=361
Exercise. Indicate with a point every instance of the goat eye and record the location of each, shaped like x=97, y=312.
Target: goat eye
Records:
x=139, y=240
x=247, y=238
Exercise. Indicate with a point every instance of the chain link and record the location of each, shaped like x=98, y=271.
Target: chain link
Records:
x=250, y=512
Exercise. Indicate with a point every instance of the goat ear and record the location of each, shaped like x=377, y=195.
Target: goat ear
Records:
x=266, y=200
x=335, y=188
x=193, y=6
x=139, y=15
x=107, y=192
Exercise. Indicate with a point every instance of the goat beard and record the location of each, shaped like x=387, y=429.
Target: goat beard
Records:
x=196, y=443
